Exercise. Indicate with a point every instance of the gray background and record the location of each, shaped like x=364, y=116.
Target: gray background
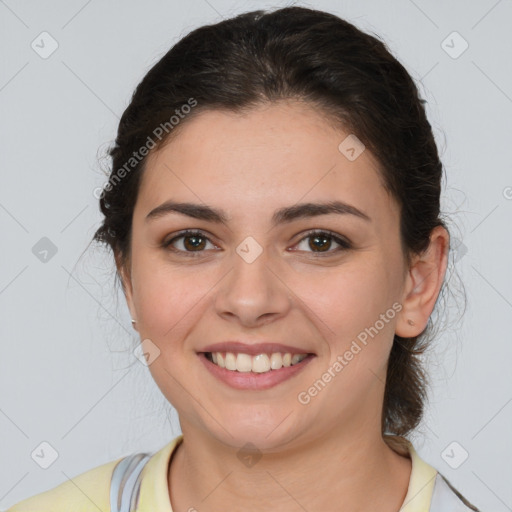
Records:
x=68, y=376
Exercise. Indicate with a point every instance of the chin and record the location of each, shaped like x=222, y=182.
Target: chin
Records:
x=264, y=433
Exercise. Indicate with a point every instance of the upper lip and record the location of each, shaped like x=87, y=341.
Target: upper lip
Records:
x=253, y=348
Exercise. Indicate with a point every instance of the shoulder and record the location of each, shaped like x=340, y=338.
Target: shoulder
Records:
x=91, y=491
x=87, y=492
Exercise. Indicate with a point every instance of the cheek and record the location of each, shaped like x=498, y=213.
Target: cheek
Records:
x=352, y=309
x=166, y=297
x=348, y=298
x=170, y=303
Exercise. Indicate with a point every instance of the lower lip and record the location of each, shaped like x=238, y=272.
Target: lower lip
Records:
x=251, y=380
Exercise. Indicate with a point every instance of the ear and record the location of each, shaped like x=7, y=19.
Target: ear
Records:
x=123, y=269
x=423, y=283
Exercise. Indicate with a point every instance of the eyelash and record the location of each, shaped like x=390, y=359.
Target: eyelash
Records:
x=344, y=244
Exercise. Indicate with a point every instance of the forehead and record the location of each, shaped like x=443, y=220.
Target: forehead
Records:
x=273, y=155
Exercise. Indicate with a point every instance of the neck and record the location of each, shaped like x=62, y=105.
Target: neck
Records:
x=359, y=470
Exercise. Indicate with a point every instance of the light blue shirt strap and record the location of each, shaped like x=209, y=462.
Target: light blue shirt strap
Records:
x=446, y=499
x=125, y=482
x=115, y=484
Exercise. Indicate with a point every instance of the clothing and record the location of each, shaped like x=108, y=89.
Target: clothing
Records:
x=428, y=491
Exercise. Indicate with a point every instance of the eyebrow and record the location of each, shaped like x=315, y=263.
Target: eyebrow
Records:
x=283, y=215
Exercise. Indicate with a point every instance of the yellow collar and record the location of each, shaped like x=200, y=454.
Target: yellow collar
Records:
x=154, y=487
x=421, y=484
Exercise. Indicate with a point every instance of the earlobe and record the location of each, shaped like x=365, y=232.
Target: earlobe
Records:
x=423, y=284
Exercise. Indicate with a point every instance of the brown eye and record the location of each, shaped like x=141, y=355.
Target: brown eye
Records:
x=321, y=241
x=193, y=242
x=190, y=241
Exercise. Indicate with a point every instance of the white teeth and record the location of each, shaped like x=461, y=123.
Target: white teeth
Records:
x=230, y=361
x=276, y=361
x=295, y=359
x=243, y=363
x=260, y=363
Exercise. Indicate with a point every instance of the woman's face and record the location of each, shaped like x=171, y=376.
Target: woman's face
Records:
x=262, y=278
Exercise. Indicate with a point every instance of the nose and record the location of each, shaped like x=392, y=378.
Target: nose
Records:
x=253, y=293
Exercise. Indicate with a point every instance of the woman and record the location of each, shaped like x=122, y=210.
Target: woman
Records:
x=273, y=211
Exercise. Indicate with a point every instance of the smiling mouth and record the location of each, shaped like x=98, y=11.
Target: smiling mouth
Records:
x=260, y=363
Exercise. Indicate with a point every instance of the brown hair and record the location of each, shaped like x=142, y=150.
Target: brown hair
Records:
x=310, y=56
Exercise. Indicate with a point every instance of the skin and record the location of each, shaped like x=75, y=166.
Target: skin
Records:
x=249, y=165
